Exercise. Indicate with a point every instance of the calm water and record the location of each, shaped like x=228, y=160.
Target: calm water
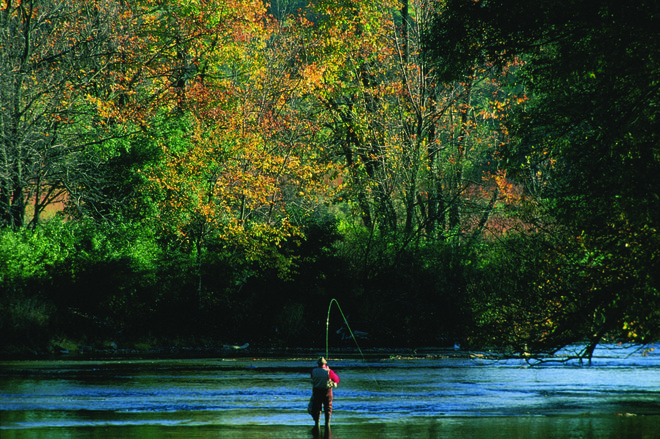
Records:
x=617, y=397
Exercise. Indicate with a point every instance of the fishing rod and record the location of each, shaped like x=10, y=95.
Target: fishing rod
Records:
x=327, y=325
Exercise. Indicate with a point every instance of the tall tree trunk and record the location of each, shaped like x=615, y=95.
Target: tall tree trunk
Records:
x=461, y=145
x=404, y=31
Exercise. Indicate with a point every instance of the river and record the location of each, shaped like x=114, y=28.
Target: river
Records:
x=434, y=396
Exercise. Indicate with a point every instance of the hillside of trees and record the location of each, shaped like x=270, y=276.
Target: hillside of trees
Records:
x=214, y=172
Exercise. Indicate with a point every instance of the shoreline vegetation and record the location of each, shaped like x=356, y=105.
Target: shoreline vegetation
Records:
x=109, y=300
x=178, y=176
x=236, y=352
x=179, y=349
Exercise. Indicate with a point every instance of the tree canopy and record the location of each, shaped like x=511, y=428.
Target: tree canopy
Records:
x=481, y=172
x=585, y=145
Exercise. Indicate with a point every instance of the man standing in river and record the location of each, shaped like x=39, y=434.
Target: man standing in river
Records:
x=323, y=381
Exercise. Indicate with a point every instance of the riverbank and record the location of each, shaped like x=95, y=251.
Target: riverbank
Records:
x=177, y=349
x=112, y=350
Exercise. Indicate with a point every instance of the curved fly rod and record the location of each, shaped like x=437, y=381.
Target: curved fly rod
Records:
x=327, y=325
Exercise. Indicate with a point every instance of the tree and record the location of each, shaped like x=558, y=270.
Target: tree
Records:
x=238, y=166
x=53, y=55
x=585, y=146
x=415, y=150
x=414, y=154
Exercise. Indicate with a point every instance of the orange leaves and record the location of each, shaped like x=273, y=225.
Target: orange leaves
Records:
x=230, y=184
x=313, y=74
x=243, y=157
x=500, y=107
x=508, y=190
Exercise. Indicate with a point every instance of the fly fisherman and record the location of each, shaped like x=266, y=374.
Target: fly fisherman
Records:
x=323, y=381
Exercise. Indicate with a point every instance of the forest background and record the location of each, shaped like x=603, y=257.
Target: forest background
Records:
x=211, y=172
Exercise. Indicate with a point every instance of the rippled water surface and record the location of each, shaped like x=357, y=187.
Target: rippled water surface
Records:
x=617, y=397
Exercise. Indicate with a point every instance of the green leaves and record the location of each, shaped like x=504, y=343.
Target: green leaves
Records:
x=586, y=135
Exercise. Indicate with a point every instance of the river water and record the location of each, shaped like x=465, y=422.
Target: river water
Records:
x=439, y=396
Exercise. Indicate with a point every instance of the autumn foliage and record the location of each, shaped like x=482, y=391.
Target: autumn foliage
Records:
x=264, y=158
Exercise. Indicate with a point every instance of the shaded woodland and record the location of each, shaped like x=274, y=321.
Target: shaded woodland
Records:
x=203, y=173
